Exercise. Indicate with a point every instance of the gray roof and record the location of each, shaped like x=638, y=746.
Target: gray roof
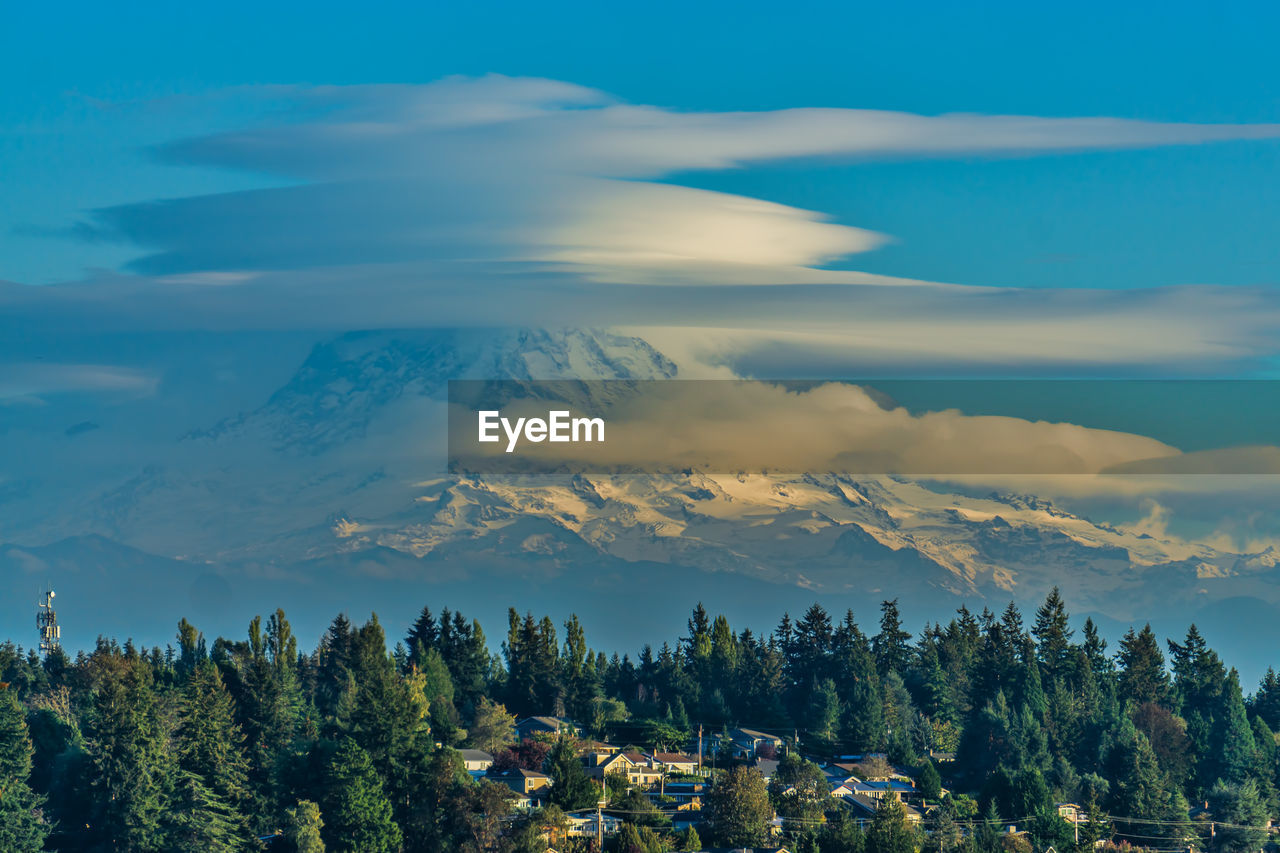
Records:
x=752, y=733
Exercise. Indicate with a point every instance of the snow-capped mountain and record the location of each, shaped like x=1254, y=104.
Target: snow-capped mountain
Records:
x=828, y=533
x=348, y=383
x=337, y=477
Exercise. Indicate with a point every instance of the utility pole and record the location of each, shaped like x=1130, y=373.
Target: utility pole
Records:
x=699, y=748
x=600, y=824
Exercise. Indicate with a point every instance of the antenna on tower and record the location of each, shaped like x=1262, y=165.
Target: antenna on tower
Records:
x=47, y=623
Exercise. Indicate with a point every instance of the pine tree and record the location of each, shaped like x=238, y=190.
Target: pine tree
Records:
x=822, y=717
x=424, y=634
x=1053, y=637
x=124, y=741
x=571, y=789
x=208, y=743
x=892, y=645
x=1142, y=674
x=1243, y=812
x=388, y=717
x=269, y=702
x=841, y=835
x=1234, y=750
x=198, y=820
x=22, y=827
x=930, y=782
x=1266, y=702
x=889, y=831
x=358, y=816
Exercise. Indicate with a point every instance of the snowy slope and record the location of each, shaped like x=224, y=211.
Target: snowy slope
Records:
x=343, y=463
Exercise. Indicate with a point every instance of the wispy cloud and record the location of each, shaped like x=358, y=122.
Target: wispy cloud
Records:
x=496, y=200
x=541, y=171
x=33, y=380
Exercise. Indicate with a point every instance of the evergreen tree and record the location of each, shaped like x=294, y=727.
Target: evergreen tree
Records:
x=129, y=764
x=1233, y=754
x=571, y=789
x=358, y=816
x=1242, y=814
x=689, y=841
x=890, y=832
x=1053, y=637
x=424, y=634
x=265, y=685
x=1142, y=674
x=892, y=645
x=22, y=827
x=929, y=781
x=388, y=717
x=198, y=820
x=822, y=717
x=1266, y=702
x=841, y=835
x=209, y=746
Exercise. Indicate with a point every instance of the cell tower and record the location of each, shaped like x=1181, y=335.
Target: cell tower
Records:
x=47, y=622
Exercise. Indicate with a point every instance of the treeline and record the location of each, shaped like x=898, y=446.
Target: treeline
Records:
x=208, y=746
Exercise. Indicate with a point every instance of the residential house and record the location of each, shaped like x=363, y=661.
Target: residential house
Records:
x=674, y=762
x=864, y=808
x=747, y=742
x=683, y=795
x=531, y=726
x=877, y=789
x=587, y=823
x=594, y=747
x=523, y=781
x=476, y=761
x=635, y=767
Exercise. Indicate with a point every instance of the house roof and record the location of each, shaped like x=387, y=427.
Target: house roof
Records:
x=526, y=774
x=766, y=766
x=553, y=723
x=752, y=733
x=869, y=805
x=674, y=758
x=475, y=755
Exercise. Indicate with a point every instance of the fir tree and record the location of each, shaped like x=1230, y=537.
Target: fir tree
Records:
x=22, y=827
x=571, y=789
x=208, y=741
x=1142, y=674
x=1053, y=637
x=891, y=645
x=358, y=816
x=889, y=831
x=126, y=751
x=198, y=820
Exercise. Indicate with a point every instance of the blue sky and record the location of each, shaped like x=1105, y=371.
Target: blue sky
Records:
x=72, y=136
